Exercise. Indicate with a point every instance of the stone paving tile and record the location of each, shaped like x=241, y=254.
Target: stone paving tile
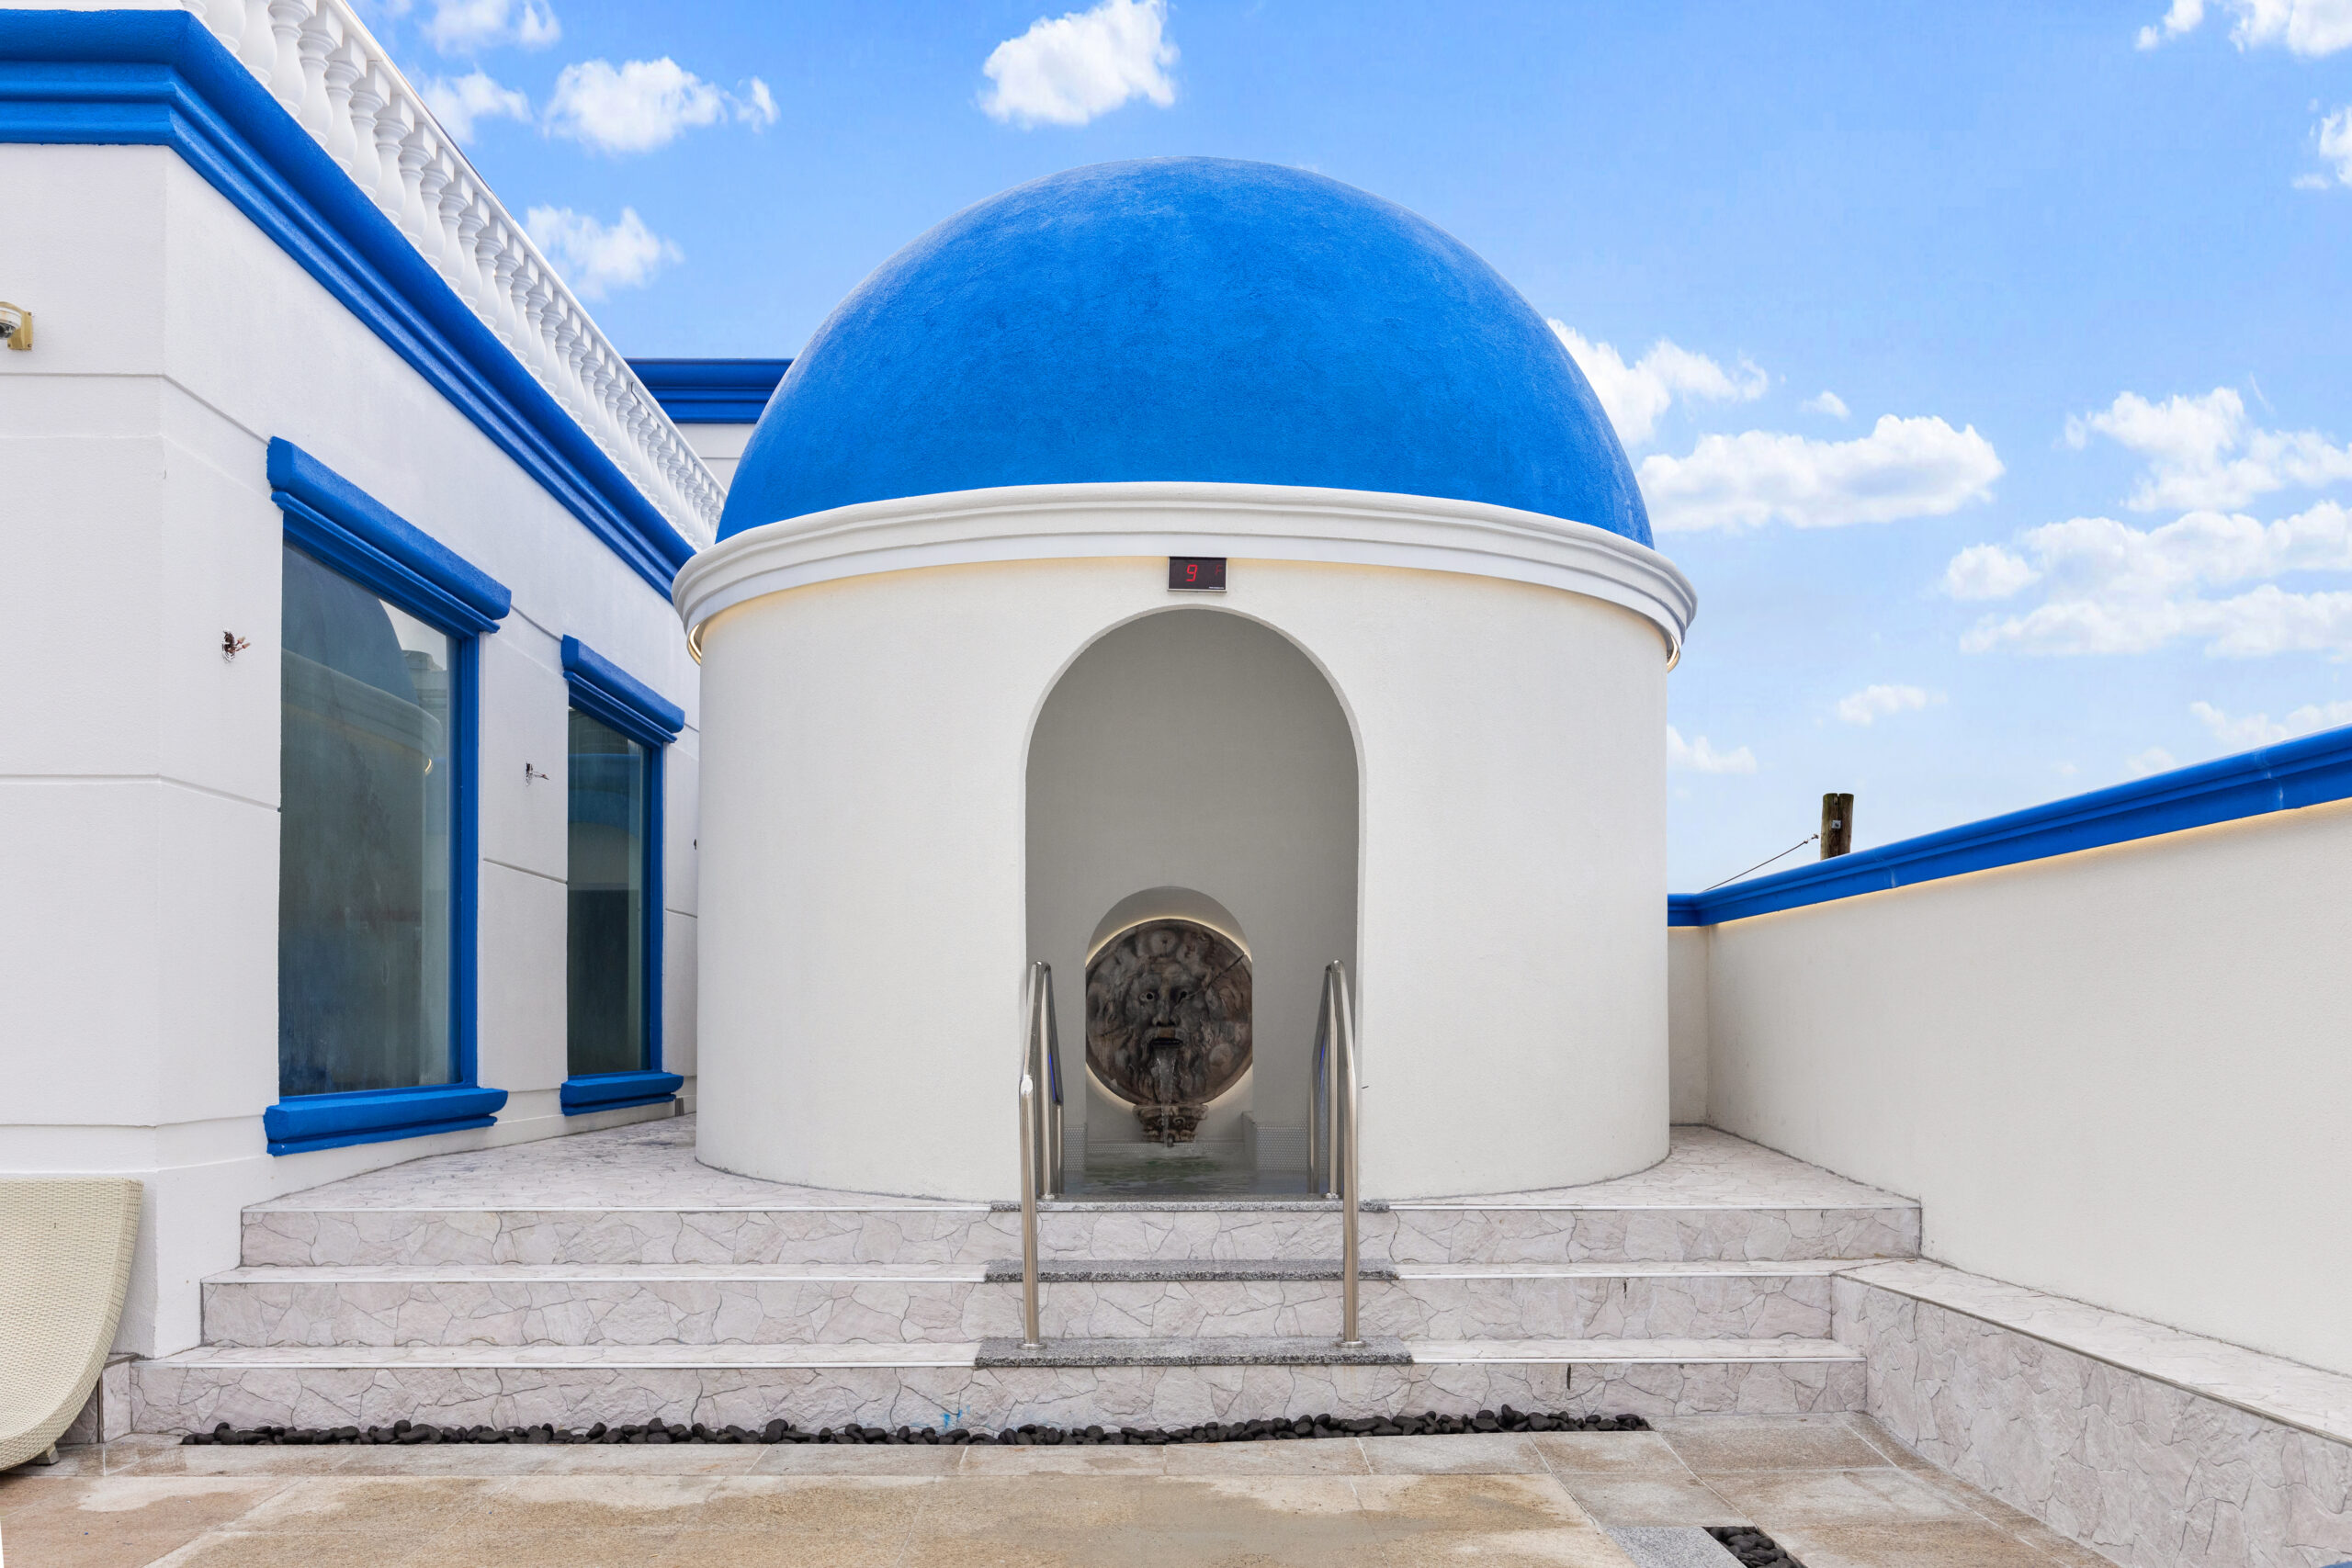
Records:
x=1467, y=1453
x=1836, y=1497
x=1323, y=1457
x=240, y=1548
x=133, y=1502
x=1709, y=1444
x=349, y=1505
x=1608, y=1453
x=1083, y=1461
x=1500, y=1499
x=1671, y=1546
x=1916, y=1543
x=828, y=1459
x=1647, y=1500
x=815, y=1506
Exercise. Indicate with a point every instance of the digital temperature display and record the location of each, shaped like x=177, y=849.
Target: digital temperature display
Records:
x=1196, y=574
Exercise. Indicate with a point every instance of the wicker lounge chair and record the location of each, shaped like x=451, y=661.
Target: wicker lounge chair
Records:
x=66, y=1247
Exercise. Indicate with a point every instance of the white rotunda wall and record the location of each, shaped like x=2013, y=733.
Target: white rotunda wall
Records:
x=865, y=793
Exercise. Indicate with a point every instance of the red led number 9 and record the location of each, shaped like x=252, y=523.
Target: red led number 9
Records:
x=1192, y=571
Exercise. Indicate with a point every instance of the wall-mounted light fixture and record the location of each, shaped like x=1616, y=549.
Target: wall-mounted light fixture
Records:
x=15, y=325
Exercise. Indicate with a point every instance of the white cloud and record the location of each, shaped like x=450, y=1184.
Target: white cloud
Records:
x=2203, y=453
x=461, y=103
x=2112, y=587
x=1903, y=467
x=1987, y=571
x=595, y=258
x=1634, y=395
x=1826, y=402
x=2249, y=730
x=1071, y=68
x=2183, y=17
x=2335, y=146
x=2154, y=759
x=644, y=104
x=2311, y=28
x=1875, y=703
x=1701, y=757
x=463, y=26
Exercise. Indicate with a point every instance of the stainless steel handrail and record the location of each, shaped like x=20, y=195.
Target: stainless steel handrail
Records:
x=1336, y=1042
x=1037, y=1003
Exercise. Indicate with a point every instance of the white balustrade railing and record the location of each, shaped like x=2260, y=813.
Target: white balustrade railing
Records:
x=319, y=60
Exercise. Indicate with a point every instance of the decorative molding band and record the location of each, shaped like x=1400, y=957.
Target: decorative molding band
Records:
x=2312, y=771
x=605, y=690
x=379, y=1115
x=616, y=1091
x=711, y=391
x=347, y=528
x=1186, y=517
x=159, y=78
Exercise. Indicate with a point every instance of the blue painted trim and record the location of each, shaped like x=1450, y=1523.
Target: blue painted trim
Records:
x=158, y=78
x=331, y=518
x=601, y=688
x=378, y=1115
x=2310, y=771
x=604, y=691
x=656, y=834
x=711, y=391
x=465, y=875
x=611, y=1092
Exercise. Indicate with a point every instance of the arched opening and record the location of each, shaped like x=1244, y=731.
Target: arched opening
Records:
x=1191, y=806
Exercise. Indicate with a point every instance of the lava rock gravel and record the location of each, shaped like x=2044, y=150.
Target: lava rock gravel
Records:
x=1752, y=1547
x=780, y=1431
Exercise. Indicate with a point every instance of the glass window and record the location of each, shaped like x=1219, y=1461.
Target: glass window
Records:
x=365, y=776
x=607, y=938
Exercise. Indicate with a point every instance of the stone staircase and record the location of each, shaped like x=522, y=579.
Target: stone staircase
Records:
x=469, y=1294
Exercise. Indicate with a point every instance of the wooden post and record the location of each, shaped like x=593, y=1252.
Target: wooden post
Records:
x=1837, y=825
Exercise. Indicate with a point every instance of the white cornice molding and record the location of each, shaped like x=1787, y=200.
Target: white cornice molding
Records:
x=1185, y=517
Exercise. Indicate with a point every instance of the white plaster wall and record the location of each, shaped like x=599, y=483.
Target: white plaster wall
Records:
x=2119, y=1075
x=1202, y=750
x=720, y=446
x=864, y=787
x=1685, y=1022
x=139, y=769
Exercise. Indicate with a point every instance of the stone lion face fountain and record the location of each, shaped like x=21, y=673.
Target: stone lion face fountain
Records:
x=1168, y=1022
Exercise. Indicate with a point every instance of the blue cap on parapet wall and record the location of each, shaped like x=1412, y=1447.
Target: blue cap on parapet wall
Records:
x=1186, y=318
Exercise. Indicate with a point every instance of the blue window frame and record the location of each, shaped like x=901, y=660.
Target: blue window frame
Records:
x=379, y=843
x=620, y=728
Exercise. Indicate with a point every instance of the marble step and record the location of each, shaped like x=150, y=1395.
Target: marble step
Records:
x=938, y=1384
x=1466, y=1231
x=1008, y=1352
x=581, y=1304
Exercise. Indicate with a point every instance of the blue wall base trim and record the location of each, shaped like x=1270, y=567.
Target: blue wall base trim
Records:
x=376, y=1115
x=614, y=1091
x=2312, y=771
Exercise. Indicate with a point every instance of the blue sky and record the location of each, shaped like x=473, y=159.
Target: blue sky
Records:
x=2080, y=278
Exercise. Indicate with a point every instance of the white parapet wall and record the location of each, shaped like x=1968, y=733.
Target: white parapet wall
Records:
x=2118, y=1075
x=196, y=297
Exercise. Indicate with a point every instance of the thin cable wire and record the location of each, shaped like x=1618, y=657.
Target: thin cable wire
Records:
x=1760, y=865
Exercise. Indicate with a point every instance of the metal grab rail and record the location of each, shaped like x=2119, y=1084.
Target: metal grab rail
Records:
x=1331, y=1130
x=1041, y=1132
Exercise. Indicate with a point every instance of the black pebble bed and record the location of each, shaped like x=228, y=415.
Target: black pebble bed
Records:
x=1752, y=1547
x=1307, y=1427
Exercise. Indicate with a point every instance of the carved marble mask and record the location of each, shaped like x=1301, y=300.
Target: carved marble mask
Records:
x=1167, y=1014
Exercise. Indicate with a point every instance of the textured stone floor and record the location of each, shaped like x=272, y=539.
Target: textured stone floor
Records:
x=1835, y=1491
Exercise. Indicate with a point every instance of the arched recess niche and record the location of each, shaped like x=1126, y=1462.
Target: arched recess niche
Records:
x=1190, y=763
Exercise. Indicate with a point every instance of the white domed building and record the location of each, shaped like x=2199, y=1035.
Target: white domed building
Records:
x=965, y=712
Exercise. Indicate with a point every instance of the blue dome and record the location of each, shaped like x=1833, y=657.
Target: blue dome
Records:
x=1186, y=318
